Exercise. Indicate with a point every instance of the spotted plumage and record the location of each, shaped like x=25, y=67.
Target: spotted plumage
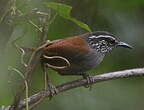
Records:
x=102, y=43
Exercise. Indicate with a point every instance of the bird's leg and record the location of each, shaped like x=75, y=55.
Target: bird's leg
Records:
x=48, y=83
x=89, y=80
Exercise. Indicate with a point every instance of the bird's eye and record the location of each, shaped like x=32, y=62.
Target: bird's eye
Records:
x=112, y=41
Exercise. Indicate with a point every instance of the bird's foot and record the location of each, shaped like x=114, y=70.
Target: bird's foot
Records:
x=89, y=79
x=53, y=90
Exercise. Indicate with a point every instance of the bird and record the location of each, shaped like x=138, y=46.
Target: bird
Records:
x=78, y=54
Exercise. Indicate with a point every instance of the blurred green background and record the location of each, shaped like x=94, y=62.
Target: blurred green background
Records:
x=123, y=18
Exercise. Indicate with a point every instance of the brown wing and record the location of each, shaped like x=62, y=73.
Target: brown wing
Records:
x=68, y=47
x=72, y=48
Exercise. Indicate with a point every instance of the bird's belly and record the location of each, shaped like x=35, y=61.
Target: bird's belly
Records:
x=83, y=64
x=92, y=61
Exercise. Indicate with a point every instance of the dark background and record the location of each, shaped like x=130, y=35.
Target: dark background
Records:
x=123, y=18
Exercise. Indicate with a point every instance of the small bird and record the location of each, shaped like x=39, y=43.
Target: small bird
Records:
x=83, y=52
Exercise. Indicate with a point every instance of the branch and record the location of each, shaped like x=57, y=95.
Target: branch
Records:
x=37, y=98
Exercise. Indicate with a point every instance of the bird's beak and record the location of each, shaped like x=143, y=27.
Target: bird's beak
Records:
x=123, y=44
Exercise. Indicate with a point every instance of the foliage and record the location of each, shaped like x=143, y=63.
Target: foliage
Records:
x=65, y=11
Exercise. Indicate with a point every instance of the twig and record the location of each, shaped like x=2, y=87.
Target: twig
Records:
x=32, y=63
x=25, y=82
x=81, y=82
x=57, y=57
x=22, y=54
x=30, y=21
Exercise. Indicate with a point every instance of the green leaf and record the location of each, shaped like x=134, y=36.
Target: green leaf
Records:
x=65, y=12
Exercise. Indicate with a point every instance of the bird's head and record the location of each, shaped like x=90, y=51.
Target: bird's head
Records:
x=105, y=42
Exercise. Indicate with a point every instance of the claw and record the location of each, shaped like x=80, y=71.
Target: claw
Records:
x=53, y=90
x=89, y=79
